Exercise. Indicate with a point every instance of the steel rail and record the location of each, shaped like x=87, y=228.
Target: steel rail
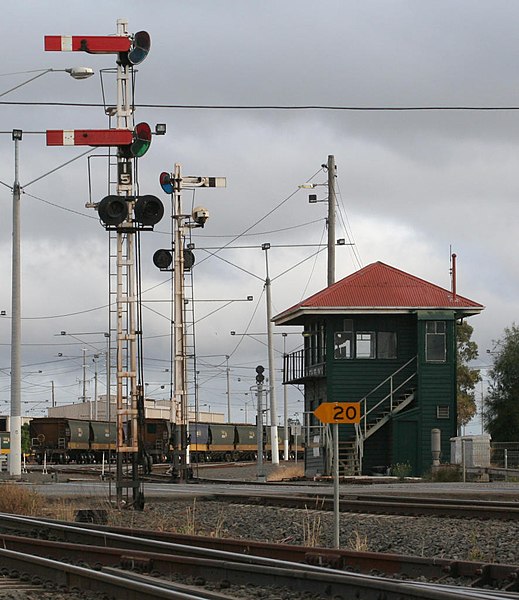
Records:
x=81, y=578
x=133, y=586
x=131, y=548
x=507, y=511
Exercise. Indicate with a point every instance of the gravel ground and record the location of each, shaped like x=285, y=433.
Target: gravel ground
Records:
x=489, y=541
x=432, y=537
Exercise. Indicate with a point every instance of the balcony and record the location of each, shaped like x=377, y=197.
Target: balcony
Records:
x=302, y=366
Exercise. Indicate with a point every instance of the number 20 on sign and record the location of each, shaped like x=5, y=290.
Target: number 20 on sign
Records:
x=338, y=412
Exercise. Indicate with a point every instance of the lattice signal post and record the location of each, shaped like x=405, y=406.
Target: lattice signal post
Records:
x=123, y=213
x=174, y=259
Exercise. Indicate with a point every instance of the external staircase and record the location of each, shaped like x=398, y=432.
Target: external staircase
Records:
x=398, y=391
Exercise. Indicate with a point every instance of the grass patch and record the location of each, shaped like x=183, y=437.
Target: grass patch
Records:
x=358, y=542
x=312, y=528
x=20, y=500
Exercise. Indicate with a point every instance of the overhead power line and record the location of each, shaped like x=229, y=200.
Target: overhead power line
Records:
x=275, y=107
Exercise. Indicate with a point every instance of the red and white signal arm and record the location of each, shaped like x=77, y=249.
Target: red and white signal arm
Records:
x=93, y=44
x=89, y=137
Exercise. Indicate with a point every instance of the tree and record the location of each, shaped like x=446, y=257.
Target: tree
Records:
x=26, y=439
x=466, y=377
x=501, y=414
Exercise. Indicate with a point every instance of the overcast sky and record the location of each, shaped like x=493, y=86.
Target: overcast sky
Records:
x=413, y=186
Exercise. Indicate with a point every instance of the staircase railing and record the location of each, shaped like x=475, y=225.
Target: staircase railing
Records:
x=359, y=445
x=396, y=384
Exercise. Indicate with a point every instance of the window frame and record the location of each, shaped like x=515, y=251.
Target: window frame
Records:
x=437, y=335
x=372, y=344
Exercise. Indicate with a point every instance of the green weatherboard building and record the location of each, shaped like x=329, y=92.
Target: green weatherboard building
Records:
x=386, y=339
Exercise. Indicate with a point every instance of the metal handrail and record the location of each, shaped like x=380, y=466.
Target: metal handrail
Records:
x=299, y=364
x=390, y=395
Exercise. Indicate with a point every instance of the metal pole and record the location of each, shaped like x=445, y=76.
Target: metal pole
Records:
x=83, y=396
x=285, y=405
x=336, y=514
x=15, y=461
x=331, y=218
x=260, y=475
x=228, y=370
x=180, y=393
x=95, y=387
x=274, y=442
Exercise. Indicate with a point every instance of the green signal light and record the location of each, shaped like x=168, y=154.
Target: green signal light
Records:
x=141, y=140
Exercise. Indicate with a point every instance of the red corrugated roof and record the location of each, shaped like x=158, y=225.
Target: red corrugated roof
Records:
x=379, y=286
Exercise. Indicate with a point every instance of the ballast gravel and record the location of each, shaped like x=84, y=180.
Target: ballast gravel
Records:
x=433, y=537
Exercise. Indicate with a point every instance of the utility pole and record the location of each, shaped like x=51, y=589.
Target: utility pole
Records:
x=332, y=202
x=228, y=373
x=15, y=457
x=274, y=440
x=285, y=405
x=83, y=395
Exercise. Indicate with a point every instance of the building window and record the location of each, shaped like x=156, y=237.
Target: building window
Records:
x=342, y=344
x=442, y=411
x=315, y=344
x=365, y=344
x=435, y=341
x=386, y=344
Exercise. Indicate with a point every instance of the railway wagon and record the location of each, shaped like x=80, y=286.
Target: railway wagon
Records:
x=222, y=442
x=247, y=444
x=156, y=439
x=199, y=435
x=5, y=443
x=292, y=449
x=61, y=440
x=102, y=436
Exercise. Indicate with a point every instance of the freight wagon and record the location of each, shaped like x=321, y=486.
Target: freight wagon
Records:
x=61, y=440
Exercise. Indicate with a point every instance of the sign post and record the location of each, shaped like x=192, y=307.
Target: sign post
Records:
x=335, y=413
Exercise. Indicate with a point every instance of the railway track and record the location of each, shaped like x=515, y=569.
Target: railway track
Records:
x=124, y=564
x=385, y=505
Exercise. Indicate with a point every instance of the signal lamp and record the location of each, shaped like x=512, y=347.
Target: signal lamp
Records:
x=165, y=182
x=148, y=210
x=189, y=259
x=141, y=140
x=113, y=210
x=140, y=47
x=162, y=259
x=260, y=377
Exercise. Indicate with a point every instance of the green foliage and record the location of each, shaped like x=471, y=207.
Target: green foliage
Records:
x=501, y=415
x=466, y=378
x=26, y=439
x=401, y=470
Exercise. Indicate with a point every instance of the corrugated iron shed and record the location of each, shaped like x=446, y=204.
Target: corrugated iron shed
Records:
x=379, y=288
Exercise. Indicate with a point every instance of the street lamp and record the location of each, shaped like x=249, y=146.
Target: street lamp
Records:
x=15, y=456
x=74, y=72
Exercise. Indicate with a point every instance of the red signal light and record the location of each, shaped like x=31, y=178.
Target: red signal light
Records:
x=141, y=140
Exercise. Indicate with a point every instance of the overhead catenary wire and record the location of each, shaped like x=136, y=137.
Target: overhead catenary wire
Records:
x=281, y=107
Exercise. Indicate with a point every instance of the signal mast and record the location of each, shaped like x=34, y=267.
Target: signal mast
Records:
x=124, y=213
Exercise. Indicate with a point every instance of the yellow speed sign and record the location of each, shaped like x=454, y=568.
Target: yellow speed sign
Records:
x=338, y=412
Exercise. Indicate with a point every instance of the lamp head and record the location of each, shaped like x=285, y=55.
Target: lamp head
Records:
x=80, y=72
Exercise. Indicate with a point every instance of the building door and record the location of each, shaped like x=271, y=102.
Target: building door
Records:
x=405, y=443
